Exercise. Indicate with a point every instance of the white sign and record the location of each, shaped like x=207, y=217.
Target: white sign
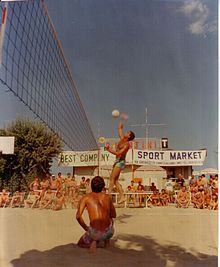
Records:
x=169, y=157
x=140, y=157
x=79, y=158
x=90, y=158
x=7, y=144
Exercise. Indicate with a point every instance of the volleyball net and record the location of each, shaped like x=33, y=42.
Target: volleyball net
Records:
x=33, y=67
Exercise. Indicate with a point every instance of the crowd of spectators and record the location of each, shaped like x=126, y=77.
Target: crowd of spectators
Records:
x=198, y=192
x=204, y=192
x=58, y=192
x=137, y=195
x=51, y=192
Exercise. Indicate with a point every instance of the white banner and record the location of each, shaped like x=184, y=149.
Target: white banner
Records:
x=79, y=158
x=169, y=157
x=140, y=157
x=89, y=158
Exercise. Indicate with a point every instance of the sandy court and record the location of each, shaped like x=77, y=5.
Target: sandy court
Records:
x=160, y=236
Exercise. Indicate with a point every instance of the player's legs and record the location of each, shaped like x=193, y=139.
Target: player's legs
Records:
x=114, y=175
x=120, y=190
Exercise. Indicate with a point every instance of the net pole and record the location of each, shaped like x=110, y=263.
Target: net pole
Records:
x=2, y=29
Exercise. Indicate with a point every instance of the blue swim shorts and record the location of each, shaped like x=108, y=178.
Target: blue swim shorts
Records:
x=120, y=162
x=93, y=234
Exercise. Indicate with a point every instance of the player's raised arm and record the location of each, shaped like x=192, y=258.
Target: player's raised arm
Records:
x=120, y=130
x=123, y=118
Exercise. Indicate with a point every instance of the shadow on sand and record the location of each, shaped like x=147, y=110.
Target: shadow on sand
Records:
x=122, y=218
x=133, y=251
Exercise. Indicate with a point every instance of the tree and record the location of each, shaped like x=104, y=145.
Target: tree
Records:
x=35, y=148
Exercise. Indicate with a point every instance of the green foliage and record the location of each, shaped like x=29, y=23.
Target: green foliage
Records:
x=35, y=148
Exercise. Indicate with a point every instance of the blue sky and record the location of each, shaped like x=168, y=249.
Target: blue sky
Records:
x=133, y=54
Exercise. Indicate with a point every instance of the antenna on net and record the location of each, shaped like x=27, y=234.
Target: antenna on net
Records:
x=146, y=125
x=2, y=29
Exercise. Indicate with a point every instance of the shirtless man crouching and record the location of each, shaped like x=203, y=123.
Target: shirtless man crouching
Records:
x=101, y=213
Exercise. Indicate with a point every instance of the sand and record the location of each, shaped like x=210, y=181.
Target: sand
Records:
x=160, y=236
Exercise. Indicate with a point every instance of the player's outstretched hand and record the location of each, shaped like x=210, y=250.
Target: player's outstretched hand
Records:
x=107, y=147
x=124, y=117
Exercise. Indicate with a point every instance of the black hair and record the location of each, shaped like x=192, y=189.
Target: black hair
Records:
x=97, y=184
x=131, y=136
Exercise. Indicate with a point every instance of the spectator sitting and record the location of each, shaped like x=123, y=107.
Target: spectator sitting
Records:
x=146, y=188
x=199, y=200
x=207, y=198
x=87, y=185
x=82, y=184
x=17, y=199
x=32, y=199
x=193, y=189
x=133, y=187
x=59, y=201
x=155, y=198
x=211, y=179
x=140, y=189
x=180, y=181
x=153, y=187
x=4, y=198
x=215, y=185
x=47, y=199
x=130, y=197
x=140, y=185
x=183, y=198
x=164, y=197
x=213, y=205
x=200, y=182
x=35, y=185
x=54, y=184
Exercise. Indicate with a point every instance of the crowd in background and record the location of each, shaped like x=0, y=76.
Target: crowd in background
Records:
x=199, y=192
x=51, y=192
x=58, y=192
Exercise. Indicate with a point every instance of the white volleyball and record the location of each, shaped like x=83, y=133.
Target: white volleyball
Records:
x=115, y=113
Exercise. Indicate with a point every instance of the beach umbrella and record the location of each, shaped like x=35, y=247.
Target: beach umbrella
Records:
x=209, y=171
x=196, y=173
